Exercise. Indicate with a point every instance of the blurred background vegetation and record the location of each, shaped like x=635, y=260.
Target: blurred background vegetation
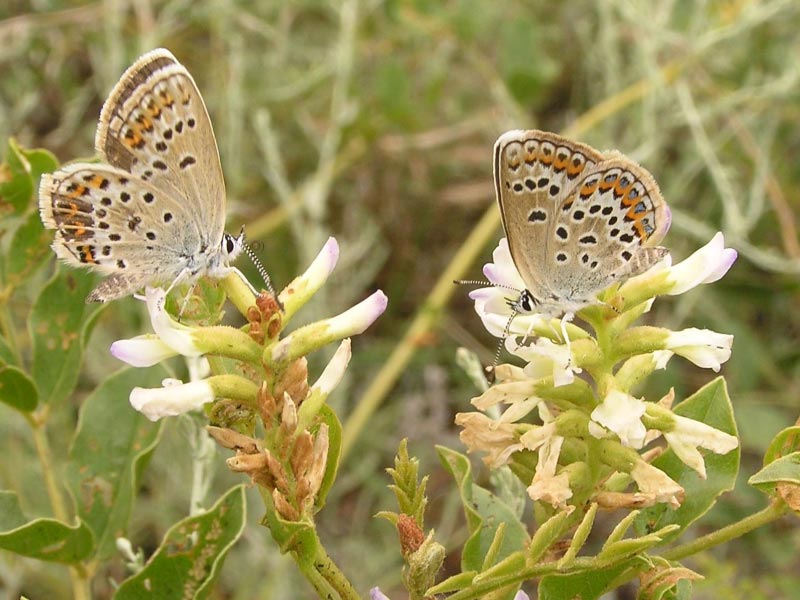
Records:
x=373, y=121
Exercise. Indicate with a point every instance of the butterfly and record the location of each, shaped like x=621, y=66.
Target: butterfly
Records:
x=577, y=220
x=153, y=211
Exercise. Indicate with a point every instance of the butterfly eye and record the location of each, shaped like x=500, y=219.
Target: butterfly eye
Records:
x=229, y=244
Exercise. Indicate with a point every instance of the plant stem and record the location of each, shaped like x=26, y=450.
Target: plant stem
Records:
x=37, y=422
x=78, y=575
x=772, y=512
x=325, y=569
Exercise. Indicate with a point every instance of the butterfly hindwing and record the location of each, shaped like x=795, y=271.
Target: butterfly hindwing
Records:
x=606, y=229
x=112, y=222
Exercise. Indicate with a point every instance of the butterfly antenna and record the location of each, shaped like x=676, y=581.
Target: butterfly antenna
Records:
x=506, y=334
x=485, y=283
x=472, y=282
x=261, y=271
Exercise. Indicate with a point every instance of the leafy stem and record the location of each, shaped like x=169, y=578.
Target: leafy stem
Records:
x=775, y=510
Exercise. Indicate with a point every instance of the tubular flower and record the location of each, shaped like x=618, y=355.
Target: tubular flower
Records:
x=271, y=383
x=621, y=414
x=705, y=348
x=688, y=435
x=583, y=375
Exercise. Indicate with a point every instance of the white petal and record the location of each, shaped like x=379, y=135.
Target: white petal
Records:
x=142, y=351
x=171, y=400
x=173, y=334
x=705, y=348
x=622, y=414
x=655, y=482
x=335, y=370
x=706, y=265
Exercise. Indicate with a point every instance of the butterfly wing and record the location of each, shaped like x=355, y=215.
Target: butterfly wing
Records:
x=155, y=125
x=533, y=171
x=605, y=229
x=117, y=224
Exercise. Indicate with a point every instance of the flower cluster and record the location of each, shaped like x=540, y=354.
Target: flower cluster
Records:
x=271, y=380
x=571, y=405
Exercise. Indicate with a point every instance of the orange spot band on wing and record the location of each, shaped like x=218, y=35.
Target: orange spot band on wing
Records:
x=607, y=185
x=588, y=190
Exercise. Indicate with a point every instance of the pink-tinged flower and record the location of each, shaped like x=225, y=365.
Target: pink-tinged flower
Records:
x=174, y=398
x=656, y=484
x=303, y=287
x=142, y=351
x=706, y=265
x=703, y=347
x=688, y=435
x=171, y=337
x=316, y=335
x=482, y=434
x=621, y=414
x=545, y=358
x=493, y=304
x=376, y=594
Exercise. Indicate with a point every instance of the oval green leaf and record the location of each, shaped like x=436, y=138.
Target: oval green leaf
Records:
x=44, y=539
x=188, y=561
x=17, y=389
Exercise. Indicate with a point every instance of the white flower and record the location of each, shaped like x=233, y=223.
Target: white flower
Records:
x=335, y=369
x=622, y=414
x=173, y=399
x=656, y=484
x=376, y=594
x=493, y=304
x=706, y=265
x=703, y=347
x=171, y=337
x=546, y=358
x=689, y=434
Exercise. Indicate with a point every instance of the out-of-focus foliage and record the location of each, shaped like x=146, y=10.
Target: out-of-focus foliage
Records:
x=374, y=121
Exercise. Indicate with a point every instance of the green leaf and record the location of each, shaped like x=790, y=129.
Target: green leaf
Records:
x=189, y=559
x=298, y=537
x=712, y=406
x=27, y=252
x=327, y=415
x=6, y=353
x=786, y=442
x=45, y=539
x=111, y=447
x=484, y=513
x=19, y=176
x=17, y=389
x=783, y=470
x=585, y=585
x=59, y=324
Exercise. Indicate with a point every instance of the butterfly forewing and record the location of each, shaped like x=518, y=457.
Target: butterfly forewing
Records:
x=154, y=211
x=156, y=126
x=534, y=171
x=576, y=219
